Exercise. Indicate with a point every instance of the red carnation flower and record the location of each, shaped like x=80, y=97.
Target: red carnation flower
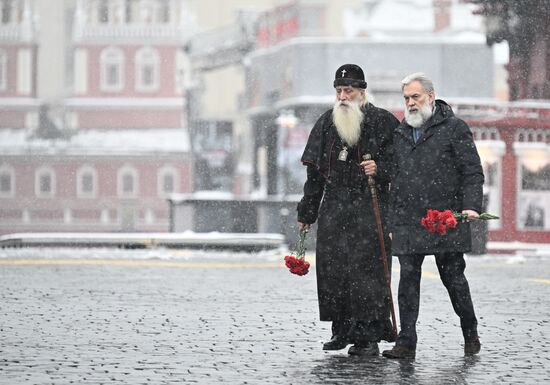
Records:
x=451, y=222
x=439, y=221
x=298, y=264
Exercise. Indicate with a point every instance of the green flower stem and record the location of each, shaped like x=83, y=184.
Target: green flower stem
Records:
x=301, y=244
x=482, y=216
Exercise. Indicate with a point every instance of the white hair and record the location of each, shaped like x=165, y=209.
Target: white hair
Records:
x=365, y=100
x=420, y=77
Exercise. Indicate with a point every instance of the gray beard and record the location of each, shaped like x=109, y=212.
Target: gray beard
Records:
x=418, y=118
x=348, y=121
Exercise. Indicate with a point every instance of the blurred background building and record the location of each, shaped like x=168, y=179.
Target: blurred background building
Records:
x=108, y=107
x=93, y=135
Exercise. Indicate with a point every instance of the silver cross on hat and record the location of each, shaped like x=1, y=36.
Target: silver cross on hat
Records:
x=350, y=75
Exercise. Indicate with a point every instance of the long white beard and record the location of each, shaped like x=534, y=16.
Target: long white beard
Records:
x=418, y=118
x=348, y=121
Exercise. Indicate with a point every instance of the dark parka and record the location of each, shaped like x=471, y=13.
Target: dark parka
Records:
x=441, y=171
x=350, y=277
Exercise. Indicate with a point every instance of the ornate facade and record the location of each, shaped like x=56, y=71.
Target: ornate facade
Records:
x=111, y=149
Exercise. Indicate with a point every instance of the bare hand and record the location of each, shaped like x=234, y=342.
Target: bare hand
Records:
x=471, y=214
x=303, y=226
x=369, y=167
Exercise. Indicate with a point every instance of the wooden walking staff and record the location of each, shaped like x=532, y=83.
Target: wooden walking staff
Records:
x=378, y=218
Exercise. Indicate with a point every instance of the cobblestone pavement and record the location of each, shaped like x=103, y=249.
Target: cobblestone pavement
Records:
x=247, y=320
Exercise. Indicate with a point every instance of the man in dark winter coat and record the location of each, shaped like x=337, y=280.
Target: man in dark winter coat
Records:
x=436, y=166
x=350, y=278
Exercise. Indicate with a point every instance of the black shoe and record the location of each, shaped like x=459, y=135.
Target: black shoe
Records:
x=369, y=349
x=472, y=346
x=336, y=343
x=400, y=352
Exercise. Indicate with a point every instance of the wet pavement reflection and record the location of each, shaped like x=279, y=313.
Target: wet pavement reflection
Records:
x=246, y=320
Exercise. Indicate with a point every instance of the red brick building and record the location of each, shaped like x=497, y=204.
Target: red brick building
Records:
x=114, y=146
x=18, y=56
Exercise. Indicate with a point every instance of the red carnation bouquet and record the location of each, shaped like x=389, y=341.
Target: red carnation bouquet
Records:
x=298, y=264
x=439, y=221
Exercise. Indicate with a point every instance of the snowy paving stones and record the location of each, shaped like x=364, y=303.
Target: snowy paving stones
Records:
x=247, y=320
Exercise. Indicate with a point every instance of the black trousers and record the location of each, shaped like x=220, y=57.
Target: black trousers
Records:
x=451, y=268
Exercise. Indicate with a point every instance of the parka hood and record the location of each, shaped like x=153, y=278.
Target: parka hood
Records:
x=442, y=112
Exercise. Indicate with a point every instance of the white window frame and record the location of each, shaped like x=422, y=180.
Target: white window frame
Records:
x=147, y=56
x=162, y=172
x=120, y=176
x=522, y=150
x=37, y=175
x=79, y=185
x=111, y=56
x=5, y=169
x=3, y=70
x=105, y=217
x=149, y=216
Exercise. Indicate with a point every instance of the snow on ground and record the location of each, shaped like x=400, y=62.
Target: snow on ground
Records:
x=167, y=254
x=155, y=253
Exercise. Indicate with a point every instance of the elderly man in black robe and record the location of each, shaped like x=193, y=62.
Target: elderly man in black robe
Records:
x=351, y=289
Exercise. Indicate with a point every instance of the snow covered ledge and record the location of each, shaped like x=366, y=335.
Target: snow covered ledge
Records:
x=212, y=240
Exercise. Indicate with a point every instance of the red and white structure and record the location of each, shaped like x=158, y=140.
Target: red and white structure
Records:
x=513, y=139
x=18, y=63
x=121, y=146
x=128, y=64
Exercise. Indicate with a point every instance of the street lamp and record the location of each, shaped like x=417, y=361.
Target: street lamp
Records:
x=287, y=119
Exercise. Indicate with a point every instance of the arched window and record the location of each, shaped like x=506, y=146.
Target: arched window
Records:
x=147, y=69
x=112, y=69
x=127, y=182
x=149, y=216
x=3, y=70
x=86, y=182
x=44, y=182
x=167, y=181
x=7, y=182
